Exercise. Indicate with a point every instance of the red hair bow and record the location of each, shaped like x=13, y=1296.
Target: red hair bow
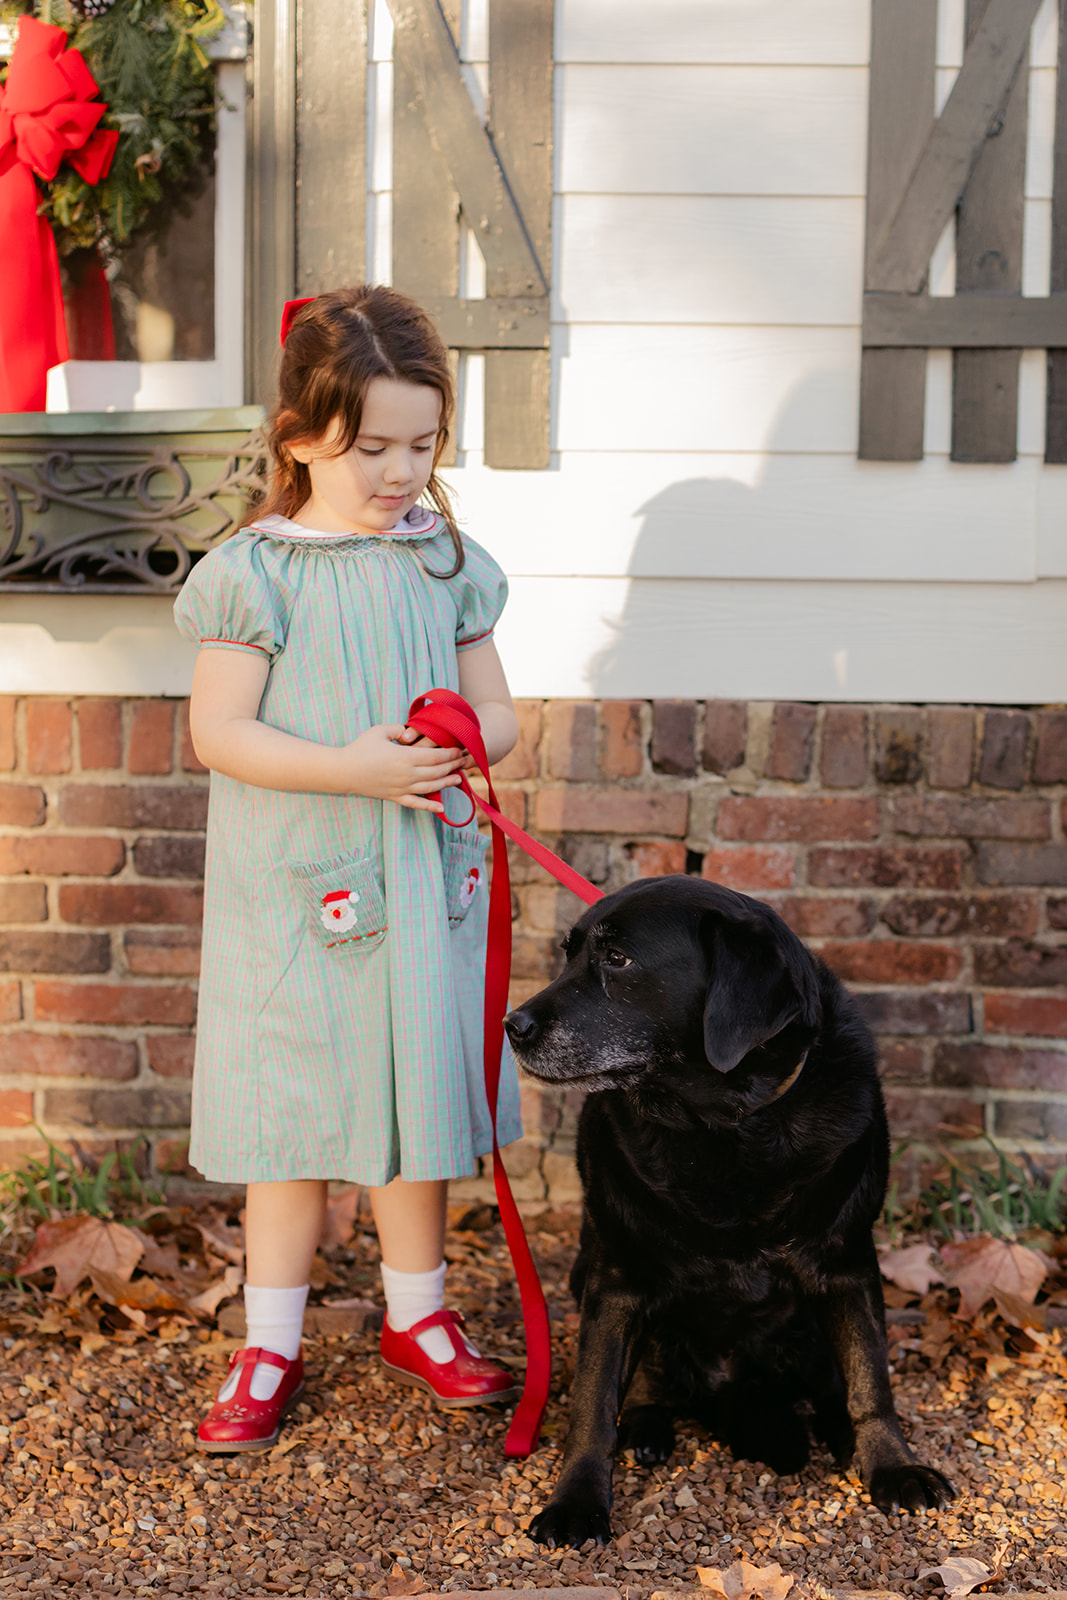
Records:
x=48, y=114
x=289, y=311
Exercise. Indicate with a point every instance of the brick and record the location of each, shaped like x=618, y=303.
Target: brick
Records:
x=789, y=817
x=674, y=732
x=1030, y=1119
x=163, y=950
x=170, y=856
x=1050, y=754
x=524, y=760
x=882, y=867
x=587, y=856
x=814, y=918
x=971, y=819
x=843, y=760
x=16, y=1107
x=8, y=756
x=100, y=734
x=725, y=735
x=657, y=860
x=63, y=1055
x=985, y=1066
x=536, y=956
x=572, y=739
x=901, y=1063
x=170, y=1055
x=149, y=1107
x=1057, y=911
x=898, y=741
x=135, y=806
x=512, y=801
x=15, y=1149
x=1040, y=1015
x=10, y=1000
x=932, y=1116
x=22, y=805
x=892, y=961
x=151, y=737
x=1013, y=964
x=1005, y=747
x=622, y=739
x=948, y=915
x=631, y=811
x=172, y=1158
x=190, y=761
x=1040, y=864
x=751, y=867
x=23, y=951
x=907, y=1011
x=132, y=1004
x=548, y=906
x=99, y=904
x=951, y=757
x=48, y=735
x=792, y=741
x=23, y=902
x=54, y=855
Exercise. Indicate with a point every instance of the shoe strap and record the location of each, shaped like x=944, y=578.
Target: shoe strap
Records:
x=255, y=1354
x=447, y=1319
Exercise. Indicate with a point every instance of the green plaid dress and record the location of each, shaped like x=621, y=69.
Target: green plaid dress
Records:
x=340, y=1028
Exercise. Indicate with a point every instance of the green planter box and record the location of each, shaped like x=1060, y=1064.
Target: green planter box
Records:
x=121, y=502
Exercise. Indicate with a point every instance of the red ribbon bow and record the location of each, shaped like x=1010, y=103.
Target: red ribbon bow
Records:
x=48, y=114
x=289, y=311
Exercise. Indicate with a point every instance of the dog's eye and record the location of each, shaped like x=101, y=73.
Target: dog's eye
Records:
x=616, y=958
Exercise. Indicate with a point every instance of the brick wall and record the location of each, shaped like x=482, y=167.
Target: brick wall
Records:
x=920, y=849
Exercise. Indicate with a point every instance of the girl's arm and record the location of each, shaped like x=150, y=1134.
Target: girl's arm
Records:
x=385, y=763
x=483, y=684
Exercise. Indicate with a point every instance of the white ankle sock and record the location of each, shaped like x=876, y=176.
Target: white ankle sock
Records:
x=410, y=1296
x=274, y=1321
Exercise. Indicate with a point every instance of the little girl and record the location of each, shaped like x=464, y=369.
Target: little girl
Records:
x=340, y=1031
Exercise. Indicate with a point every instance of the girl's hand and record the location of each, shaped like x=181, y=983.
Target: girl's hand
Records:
x=391, y=762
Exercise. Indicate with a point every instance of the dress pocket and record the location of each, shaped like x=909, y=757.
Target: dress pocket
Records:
x=345, y=903
x=463, y=865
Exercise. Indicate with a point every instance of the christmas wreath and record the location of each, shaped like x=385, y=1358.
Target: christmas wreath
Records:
x=149, y=63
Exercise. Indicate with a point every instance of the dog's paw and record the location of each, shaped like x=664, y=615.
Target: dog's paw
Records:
x=910, y=1487
x=649, y=1432
x=570, y=1522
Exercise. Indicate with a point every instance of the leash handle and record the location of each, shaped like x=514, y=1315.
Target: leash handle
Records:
x=446, y=718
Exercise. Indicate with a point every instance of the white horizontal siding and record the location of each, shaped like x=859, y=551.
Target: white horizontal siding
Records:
x=828, y=32
x=690, y=258
x=712, y=130
x=816, y=641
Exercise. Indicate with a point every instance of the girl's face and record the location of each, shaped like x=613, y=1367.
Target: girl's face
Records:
x=380, y=478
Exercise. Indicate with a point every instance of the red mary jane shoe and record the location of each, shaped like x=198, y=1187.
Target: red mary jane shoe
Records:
x=466, y=1380
x=241, y=1423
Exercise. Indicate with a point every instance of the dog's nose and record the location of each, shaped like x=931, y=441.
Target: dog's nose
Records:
x=522, y=1028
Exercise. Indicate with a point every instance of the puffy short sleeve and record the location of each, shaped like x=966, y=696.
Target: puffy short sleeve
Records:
x=228, y=602
x=482, y=590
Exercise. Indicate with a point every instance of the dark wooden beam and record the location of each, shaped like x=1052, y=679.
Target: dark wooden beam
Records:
x=271, y=255
x=331, y=137
x=901, y=258
x=973, y=321
x=515, y=324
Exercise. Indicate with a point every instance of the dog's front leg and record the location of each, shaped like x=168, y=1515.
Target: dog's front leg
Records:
x=580, y=1507
x=853, y=1316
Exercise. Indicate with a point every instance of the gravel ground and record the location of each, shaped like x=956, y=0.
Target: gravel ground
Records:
x=373, y=1492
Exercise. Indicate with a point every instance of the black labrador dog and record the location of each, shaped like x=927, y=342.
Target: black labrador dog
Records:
x=733, y=1152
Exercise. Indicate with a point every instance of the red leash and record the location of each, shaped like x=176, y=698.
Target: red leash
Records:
x=447, y=719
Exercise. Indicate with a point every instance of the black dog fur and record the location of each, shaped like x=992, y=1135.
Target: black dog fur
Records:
x=726, y=1269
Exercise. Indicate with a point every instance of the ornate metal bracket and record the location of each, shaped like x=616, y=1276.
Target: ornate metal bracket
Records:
x=118, y=512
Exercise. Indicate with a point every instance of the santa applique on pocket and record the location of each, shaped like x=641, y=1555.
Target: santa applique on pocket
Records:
x=339, y=910
x=469, y=888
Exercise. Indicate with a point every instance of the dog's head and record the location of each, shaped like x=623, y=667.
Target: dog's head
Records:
x=677, y=981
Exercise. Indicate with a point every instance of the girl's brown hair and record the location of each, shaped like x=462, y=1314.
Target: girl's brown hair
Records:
x=335, y=346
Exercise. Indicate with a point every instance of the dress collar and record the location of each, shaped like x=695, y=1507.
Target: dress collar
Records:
x=418, y=525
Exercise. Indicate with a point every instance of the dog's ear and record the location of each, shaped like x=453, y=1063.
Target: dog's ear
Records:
x=754, y=990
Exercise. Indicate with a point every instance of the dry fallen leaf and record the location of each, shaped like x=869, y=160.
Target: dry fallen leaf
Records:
x=398, y=1582
x=145, y=1294
x=75, y=1246
x=912, y=1268
x=743, y=1581
x=963, y=1574
x=209, y=1300
x=979, y=1267
x=341, y=1215
x=223, y=1240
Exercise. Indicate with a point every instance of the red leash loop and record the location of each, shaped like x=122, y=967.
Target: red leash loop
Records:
x=447, y=719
